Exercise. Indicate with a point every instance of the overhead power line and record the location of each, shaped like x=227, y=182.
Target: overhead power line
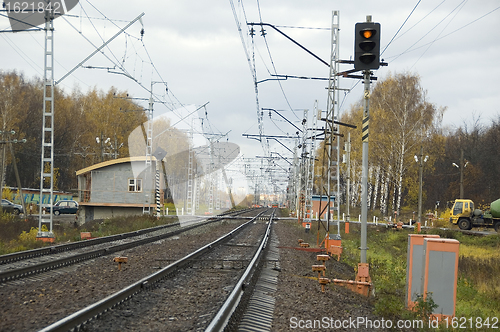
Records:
x=402, y=25
x=444, y=36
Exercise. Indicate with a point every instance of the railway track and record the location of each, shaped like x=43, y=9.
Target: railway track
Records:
x=32, y=262
x=250, y=306
x=188, y=298
x=166, y=299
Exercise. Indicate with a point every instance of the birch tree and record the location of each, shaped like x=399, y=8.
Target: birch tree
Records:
x=400, y=120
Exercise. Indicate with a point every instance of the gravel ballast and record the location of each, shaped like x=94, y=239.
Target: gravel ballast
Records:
x=300, y=303
x=30, y=305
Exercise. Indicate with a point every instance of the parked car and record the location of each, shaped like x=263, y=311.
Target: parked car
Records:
x=10, y=207
x=65, y=207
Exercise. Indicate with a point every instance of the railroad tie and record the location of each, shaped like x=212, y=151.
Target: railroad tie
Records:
x=258, y=316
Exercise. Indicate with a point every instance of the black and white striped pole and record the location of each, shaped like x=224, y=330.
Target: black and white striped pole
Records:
x=157, y=191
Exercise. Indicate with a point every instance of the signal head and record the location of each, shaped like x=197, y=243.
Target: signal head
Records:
x=367, y=46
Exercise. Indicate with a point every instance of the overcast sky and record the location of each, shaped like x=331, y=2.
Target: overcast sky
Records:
x=195, y=47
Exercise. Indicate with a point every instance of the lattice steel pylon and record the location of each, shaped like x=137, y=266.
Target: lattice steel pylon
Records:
x=146, y=209
x=197, y=190
x=310, y=167
x=331, y=148
x=211, y=180
x=189, y=200
x=217, y=189
x=303, y=171
x=295, y=184
x=47, y=157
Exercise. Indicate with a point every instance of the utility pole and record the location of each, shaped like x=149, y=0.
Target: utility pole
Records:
x=211, y=180
x=47, y=157
x=462, y=166
x=295, y=167
x=364, y=174
x=189, y=199
x=16, y=172
x=462, y=173
x=303, y=171
x=146, y=209
x=348, y=162
x=310, y=167
x=228, y=185
x=331, y=130
x=420, y=160
x=4, y=142
x=420, y=171
x=366, y=57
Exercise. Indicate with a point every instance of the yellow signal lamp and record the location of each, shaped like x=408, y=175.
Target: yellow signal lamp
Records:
x=368, y=33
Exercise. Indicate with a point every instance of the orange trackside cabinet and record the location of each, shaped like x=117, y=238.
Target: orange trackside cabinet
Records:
x=440, y=275
x=414, y=263
x=332, y=240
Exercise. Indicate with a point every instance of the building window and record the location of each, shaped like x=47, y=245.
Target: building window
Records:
x=135, y=185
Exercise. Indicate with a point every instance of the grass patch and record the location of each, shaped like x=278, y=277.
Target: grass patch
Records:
x=478, y=293
x=20, y=234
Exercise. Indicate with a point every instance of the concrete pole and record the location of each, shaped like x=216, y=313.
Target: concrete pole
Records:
x=462, y=166
x=3, y=170
x=420, y=168
x=348, y=161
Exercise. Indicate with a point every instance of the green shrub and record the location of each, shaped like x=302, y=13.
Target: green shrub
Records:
x=424, y=307
x=284, y=212
x=30, y=237
x=478, y=293
x=388, y=277
x=20, y=234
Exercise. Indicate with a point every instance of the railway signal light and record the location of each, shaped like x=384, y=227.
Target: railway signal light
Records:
x=367, y=46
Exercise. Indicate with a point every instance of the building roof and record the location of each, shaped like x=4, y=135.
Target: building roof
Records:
x=112, y=162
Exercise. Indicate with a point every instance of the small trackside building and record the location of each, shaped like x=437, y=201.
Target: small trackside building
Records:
x=316, y=199
x=118, y=187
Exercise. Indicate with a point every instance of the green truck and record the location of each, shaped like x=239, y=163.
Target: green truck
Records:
x=465, y=216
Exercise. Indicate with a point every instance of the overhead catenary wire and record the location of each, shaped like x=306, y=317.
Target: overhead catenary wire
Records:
x=271, y=58
x=33, y=64
x=402, y=25
x=432, y=29
x=421, y=55
x=253, y=70
x=98, y=49
x=411, y=49
x=421, y=20
x=120, y=64
x=444, y=36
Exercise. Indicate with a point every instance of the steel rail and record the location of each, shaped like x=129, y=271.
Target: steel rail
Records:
x=27, y=254
x=222, y=317
x=58, y=263
x=27, y=271
x=95, y=310
x=21, y=255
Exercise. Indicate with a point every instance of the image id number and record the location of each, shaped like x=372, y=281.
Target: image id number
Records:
x=470, y=323
x=34, y=7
